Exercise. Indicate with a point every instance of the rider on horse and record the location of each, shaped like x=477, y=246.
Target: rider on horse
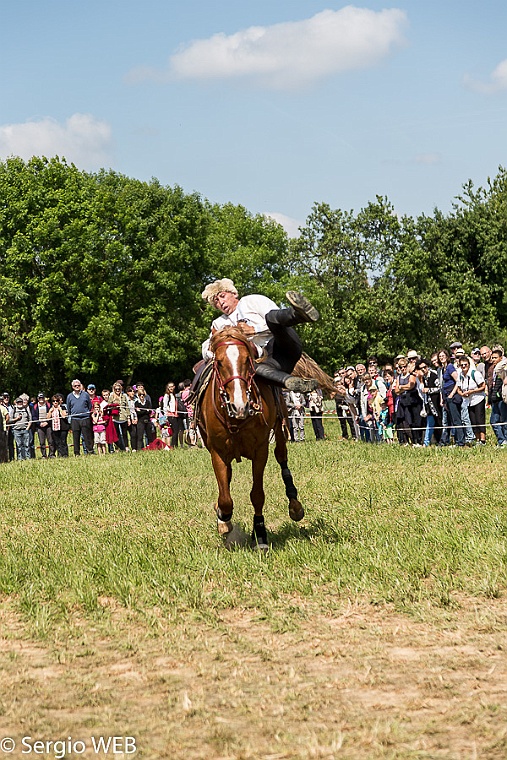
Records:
x=269, y=328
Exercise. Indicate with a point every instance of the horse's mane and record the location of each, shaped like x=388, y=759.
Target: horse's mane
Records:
x=230, y=333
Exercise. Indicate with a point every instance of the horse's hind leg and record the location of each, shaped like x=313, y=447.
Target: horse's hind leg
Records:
x=224, y=505
x=296, y=511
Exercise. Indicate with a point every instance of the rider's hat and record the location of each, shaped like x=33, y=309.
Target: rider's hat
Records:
x=219, y=286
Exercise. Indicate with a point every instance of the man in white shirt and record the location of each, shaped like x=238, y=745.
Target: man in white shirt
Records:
x=269, y=327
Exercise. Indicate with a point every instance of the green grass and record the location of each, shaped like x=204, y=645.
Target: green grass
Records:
x=383, y=523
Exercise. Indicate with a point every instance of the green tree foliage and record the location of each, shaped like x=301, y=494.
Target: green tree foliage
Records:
x=338, y=257
x=249, y=249
x=99, y=274
x=385, y=283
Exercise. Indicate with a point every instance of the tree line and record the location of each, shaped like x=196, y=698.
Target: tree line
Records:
x=101, y=274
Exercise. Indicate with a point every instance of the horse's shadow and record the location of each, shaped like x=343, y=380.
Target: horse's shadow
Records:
x=288, y=533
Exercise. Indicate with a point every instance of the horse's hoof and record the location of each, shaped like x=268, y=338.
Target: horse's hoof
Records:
x=260, y=538
x=256, y=546
x=296, y=511
x=223, y=526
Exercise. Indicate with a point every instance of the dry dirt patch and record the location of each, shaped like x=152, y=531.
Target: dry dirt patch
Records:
x=367, y=683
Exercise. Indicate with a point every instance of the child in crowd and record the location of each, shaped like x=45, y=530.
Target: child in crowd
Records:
x=163, y=425
x=385, y=426
x=99, y=427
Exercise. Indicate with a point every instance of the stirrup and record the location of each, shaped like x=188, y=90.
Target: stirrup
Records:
x=300, y=384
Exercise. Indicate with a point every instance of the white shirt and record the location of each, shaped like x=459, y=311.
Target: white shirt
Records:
x=469, y=383
x=252, y=310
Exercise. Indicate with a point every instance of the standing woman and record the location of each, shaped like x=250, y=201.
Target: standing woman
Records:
x=170, y=406
x=59, y=424
x=119, y=406
x=451, y=400
x=472, y=389
x=143, y=409
x=404, y=388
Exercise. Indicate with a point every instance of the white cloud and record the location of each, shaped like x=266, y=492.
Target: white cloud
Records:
x=428, y=158
x=290, y=225
x=293, y=54
x=497, y=80
x=82, y=140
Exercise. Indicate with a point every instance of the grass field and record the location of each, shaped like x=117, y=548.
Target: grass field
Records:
x=376, y=628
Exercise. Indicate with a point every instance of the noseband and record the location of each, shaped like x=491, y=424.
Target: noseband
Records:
x=252, y=394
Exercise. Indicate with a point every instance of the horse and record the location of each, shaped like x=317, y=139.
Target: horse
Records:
x=236, y=416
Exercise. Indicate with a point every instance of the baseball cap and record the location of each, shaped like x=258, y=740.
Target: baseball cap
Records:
x=90, y=387
x=41, y=395
x=475, y=351
x=456, y=344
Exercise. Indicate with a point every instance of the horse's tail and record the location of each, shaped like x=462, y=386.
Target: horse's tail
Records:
x=308, y=367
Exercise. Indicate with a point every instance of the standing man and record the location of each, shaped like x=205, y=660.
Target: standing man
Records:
x=6, y=402
x=22, y=421
x=498, y=419
x=79, y=407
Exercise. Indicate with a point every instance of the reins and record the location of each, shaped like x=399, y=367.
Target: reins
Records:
x=254, y=403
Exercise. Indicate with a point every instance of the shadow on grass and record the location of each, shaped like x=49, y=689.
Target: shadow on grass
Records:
x=290, y=532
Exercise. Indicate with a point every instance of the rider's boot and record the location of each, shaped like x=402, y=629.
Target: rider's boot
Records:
x=284, y=380
x=300, y=310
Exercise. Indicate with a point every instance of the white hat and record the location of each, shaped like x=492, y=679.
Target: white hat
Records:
x=219, y=286
x=412, y=354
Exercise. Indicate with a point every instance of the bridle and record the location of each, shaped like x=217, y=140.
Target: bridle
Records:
x=253, y=404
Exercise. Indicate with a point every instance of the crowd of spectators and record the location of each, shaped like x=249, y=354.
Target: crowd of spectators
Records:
x=414, y=401
x=118, y=419
x=420, y=401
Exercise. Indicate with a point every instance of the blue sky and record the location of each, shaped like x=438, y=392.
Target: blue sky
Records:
x=273, y=104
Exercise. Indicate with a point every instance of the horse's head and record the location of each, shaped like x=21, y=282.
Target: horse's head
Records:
x=234, y=371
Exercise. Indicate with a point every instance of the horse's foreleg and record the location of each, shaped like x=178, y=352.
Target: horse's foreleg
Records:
x=224, y=505
x=257, y=497
x=296, y=511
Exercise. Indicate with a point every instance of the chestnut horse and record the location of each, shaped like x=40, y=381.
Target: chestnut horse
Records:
x=236, y=417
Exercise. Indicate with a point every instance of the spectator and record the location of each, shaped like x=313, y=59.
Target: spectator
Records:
x=118, y=403
x=471, y=387
x=107, y=413
x=408, y=403
x=451, y=400
x=59, y=425
x=132, y=424
x=5, y=401
x=42, y=424
x=316, y=407
x=22, y=420
x=99, y=427
x=432, y=409
x=172, y=413
x=144, y=407
x=297, y=402
x=4, y=419
x=79, y=408
x=343, y=402
x=498, y=418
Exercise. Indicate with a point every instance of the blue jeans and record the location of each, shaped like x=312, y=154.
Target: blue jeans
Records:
x=465, y=420
x=455, y=414
x=499, y=415
x=430, y=426
x=22, y=438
